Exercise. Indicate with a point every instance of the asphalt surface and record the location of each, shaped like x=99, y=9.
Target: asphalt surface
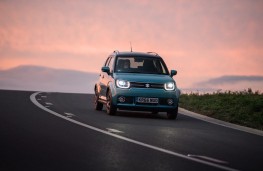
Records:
x=76, y=137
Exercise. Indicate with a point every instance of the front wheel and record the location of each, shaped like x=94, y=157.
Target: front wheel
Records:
x=111, y=109
x=97, y=104
x=154, y=112
x=172, y=114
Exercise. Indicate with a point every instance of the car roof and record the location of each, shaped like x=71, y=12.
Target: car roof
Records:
x=141, y=54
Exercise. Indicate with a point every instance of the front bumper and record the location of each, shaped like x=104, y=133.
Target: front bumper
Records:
x=132, y=94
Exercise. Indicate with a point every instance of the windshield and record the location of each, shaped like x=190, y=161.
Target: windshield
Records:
x=136, y=64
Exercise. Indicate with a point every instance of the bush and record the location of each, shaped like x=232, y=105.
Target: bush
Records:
x=240, y=107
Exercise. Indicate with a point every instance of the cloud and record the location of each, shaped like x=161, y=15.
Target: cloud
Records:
x=230, y=82
x=233, y=80
x=37, y=78
x=201, y=39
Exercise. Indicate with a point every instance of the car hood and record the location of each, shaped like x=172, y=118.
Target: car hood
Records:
x=144, y=78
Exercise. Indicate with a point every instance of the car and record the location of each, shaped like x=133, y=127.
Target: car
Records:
x=138, y=81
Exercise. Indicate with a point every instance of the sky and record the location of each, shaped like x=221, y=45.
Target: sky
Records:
x=203, y=40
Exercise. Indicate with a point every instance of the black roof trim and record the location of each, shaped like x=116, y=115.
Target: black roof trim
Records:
x=116, y=51
x=156, y=54
x=146, y=54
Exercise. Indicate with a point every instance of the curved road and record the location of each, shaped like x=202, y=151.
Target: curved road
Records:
x=55, y=131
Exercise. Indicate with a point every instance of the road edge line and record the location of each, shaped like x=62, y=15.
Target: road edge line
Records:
x=35, y=102
x=220, y=122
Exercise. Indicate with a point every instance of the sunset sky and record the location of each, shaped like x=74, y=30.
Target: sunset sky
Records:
x=202, y=39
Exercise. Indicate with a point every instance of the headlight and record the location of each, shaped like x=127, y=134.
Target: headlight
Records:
x=123, y=84
x=169, y=86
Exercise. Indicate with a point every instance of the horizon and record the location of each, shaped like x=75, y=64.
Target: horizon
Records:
x=74, y=81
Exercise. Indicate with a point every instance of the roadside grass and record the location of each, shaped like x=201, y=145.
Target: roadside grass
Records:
x=242, y=108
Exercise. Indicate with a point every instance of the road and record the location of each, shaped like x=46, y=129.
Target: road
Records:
x=62, y=131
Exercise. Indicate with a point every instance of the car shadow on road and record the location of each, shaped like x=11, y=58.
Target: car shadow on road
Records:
x=141, y=114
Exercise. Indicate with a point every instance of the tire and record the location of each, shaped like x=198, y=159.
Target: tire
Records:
x=154, y=112
x=97, y=105
x=172, y=114
x=110, y=108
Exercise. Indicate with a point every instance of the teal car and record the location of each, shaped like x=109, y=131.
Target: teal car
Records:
x=136, y=81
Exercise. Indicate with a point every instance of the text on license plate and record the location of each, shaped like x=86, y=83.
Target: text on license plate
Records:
x=147, y=100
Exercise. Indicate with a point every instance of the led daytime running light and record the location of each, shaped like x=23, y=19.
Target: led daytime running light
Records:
x=169, y=86
x=123, y=84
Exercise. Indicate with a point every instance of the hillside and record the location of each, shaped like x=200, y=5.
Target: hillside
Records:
x=37, y=78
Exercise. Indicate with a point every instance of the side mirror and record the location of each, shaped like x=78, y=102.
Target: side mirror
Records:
x=173, y=72
x=105, y=69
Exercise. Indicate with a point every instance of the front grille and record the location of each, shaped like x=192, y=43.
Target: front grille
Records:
x=128, y=100
x=132, y=100
x=146, y=85
x=163, y=101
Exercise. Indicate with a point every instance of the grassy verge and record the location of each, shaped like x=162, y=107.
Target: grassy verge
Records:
x=243, y=108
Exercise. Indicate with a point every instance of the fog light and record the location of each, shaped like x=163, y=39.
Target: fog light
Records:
x=121, y=99
x=170, y=101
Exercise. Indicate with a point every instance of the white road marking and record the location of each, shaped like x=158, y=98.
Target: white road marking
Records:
x=33, y=99
x=69, y=114
x=113, y=130
x=220, y=122
x=208, y=158
x=48, y=103
x=39, y=99
x=44, y=96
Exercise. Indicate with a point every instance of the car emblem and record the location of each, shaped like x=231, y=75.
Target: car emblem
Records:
x=147, y=85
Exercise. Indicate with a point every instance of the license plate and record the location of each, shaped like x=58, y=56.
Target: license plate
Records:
x=147, y=100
